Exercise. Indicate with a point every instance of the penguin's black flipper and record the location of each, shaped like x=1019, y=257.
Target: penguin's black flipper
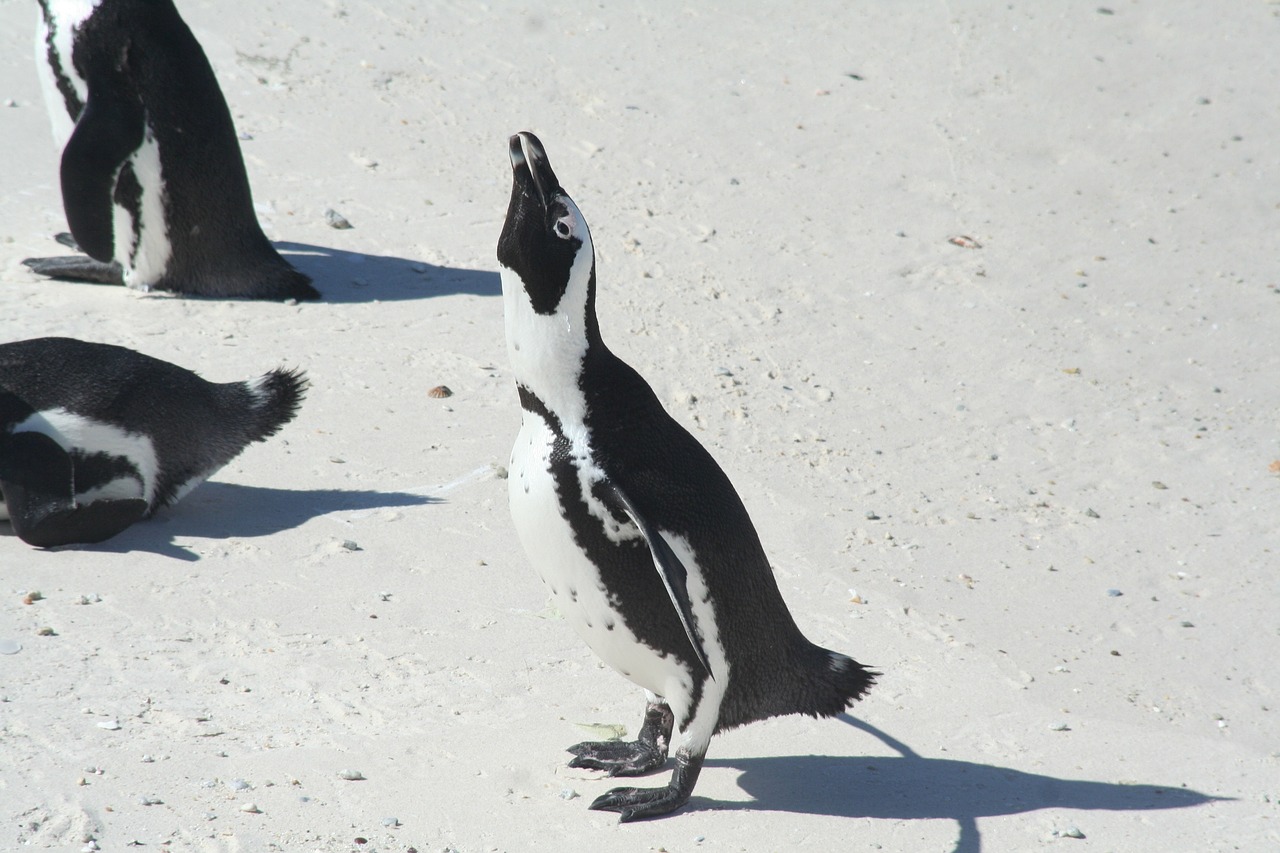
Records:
x=77, y=268
x=110, y=128
x=639, y=803
x=648, y=752
x=36, y=479
x=674, y=574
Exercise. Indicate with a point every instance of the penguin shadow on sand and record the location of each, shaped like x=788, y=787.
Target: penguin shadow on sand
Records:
x=218, y=510
x=351, y=277
x=910, y=786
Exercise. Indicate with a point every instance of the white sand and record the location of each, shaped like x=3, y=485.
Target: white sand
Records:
x=773, y=254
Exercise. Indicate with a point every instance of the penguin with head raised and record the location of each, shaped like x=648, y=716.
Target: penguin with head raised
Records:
x=643, y=542
x=153, y=184
x=94, y=437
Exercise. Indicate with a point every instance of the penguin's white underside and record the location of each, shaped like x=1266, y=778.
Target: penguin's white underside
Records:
x=579, y=592
x=70, y=14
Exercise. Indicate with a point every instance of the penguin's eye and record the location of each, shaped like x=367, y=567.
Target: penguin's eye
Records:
x=563, y=231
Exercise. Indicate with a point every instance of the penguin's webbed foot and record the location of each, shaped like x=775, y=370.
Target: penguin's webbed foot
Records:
x=77, y=268
x=618, y=758
x=646, y=753
x=640, y=803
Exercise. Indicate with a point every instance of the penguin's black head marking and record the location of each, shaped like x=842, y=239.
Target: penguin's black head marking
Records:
x=544, y=233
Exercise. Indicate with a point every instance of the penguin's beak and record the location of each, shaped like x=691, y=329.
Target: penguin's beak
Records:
x=530, y=164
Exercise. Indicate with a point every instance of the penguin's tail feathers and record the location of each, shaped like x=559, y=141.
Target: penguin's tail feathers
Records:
x=835, y=684
x=275, y=397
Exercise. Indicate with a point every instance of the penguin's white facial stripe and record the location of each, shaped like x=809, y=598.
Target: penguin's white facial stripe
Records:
x=546, y=350
x=76, y=432
x=142, y=247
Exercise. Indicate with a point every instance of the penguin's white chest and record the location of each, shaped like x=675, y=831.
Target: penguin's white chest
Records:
x=575, y=584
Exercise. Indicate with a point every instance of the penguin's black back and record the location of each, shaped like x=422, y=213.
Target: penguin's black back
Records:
x=195, y=426
x=139, y=55
x=677, y=485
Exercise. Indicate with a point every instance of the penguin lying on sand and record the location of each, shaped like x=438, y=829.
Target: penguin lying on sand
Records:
x=94, y=437
x=153, y=185
x=644, y=544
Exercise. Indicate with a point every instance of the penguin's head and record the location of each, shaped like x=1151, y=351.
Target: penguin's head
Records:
x=545, y=242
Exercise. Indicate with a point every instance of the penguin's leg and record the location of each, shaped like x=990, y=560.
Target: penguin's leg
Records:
x=646, y=753
x=37, y=479
x=695, y=736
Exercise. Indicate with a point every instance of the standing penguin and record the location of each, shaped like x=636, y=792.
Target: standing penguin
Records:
x=94, y=437
x=644, y=544
x=153, y=185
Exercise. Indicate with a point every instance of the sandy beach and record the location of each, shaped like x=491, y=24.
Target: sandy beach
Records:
x=977, y=304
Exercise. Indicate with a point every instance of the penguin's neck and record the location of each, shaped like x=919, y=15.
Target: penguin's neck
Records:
x=548, y=352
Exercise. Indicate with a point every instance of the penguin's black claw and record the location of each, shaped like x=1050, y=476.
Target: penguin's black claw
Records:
x=640, y=803
x=618, y=758
x=77, y=268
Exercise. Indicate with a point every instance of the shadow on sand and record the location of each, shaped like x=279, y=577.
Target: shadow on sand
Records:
x=912, y=787
x=225, y=510
x=350, y=277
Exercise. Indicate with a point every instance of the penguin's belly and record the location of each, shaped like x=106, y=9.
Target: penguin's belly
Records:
x=570, y=575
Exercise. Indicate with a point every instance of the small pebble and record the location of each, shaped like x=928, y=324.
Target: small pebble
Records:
x=239, y=785
x=1059, y=727
x=1072, y=832
x=336, y=220
x=1114, y=593
x=871, y=515
x=1159, y=485
x=245, y=136
x=147, y=759
x=46, y=631
x=568, y=794
x=1185, y=624
x=390, y=821
x=149, y=801
x=1091, y=513
x=32, y=597
x=350, y=545
x=9, y=647
x=350, y=775
x=110, y=725
x=251, y=808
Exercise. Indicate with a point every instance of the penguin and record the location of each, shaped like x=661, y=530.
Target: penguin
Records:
x=645, y=546
x=153, y=184
x=94, y=437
